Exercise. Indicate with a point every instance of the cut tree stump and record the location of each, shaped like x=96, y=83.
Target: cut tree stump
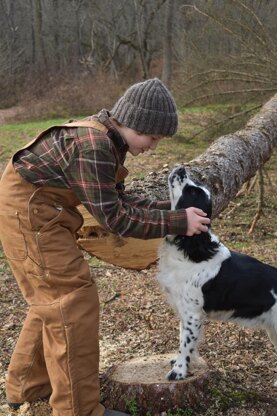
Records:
x=130, y=253
x=141, y=382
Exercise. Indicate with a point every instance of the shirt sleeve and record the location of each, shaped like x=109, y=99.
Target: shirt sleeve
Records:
x=91, y=175
x=148, y=203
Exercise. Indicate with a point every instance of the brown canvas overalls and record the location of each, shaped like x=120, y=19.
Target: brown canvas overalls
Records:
x=57, y=350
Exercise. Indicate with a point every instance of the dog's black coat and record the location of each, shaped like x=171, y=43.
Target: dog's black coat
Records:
x=244, y=285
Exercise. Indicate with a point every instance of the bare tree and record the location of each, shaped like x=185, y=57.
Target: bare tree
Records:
x=38, y=54
x=10, y=51
x=244, y=57
x=167, y=51
x=145, y=15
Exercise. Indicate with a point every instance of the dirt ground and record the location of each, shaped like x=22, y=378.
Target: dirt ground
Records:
x=136, y=320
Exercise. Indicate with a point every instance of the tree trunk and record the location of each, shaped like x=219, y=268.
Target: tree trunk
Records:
x=39, y=52
x=140, y=384
x=56, y=35
x=233, y=159
x=167, y=52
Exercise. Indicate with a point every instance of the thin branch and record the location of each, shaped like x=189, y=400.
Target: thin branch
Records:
x=229, y=31
x=210, y=81
x=251, y=12
x=226, y=119
x=259, y=212
x=217, y=94
x=226, y=29
x=226, y=71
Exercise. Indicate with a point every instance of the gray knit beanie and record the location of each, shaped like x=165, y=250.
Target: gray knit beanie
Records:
x=147, y=107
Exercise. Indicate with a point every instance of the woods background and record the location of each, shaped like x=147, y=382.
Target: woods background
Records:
x=65, y=57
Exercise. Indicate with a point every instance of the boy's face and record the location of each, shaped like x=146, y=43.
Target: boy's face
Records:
x=139, y=142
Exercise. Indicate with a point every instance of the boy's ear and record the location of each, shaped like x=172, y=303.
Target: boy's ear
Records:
x=116, y=122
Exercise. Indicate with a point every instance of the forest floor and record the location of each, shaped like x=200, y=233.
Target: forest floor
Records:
x=136, y=320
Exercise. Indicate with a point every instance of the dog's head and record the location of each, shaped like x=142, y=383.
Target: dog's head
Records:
x=185, y=193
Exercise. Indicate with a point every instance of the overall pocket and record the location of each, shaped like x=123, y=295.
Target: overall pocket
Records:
x=11, y=236
x=53, y=229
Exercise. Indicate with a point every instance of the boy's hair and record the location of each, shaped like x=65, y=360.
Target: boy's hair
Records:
x=147, y=107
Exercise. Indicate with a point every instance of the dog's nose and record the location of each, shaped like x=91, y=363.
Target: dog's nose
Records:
x=179, y=172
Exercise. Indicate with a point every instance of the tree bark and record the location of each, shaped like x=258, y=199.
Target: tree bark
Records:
x=229, y=162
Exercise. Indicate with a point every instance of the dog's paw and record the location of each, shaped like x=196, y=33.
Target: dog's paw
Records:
x=172, y=375
x=178, y=375
x=179, y=371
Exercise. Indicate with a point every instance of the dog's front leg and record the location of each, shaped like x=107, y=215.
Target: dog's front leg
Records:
x=272, y=333
x=190, y=327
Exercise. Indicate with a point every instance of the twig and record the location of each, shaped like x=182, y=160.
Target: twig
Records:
x=259, y=212
x=217, y=94
x=240, y=113
x=228, y=72
x=115, y=296
x=252, y=184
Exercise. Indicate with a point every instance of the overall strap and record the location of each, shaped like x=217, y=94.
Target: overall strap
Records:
x=93, y=124
x=122, y=172
x=83, y=123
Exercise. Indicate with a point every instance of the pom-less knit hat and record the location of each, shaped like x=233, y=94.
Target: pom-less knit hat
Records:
x=147, y=107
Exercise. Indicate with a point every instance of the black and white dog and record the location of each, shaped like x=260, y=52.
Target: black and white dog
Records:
x=202, y=278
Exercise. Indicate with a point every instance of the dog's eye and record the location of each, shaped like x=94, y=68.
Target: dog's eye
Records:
x=172, y=178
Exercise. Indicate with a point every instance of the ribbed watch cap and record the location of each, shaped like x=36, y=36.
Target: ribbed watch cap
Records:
x=147, y=107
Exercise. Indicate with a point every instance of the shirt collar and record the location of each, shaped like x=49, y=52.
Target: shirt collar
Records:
x=103, y=117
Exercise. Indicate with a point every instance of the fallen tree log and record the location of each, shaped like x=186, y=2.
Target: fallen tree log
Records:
x=225, y=166
x=228, y=163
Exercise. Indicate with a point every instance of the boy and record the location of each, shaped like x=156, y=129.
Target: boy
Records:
x=80, y=162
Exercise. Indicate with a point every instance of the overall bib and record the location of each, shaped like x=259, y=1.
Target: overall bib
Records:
x=57, y=352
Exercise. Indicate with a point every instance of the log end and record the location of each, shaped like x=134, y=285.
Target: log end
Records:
x=141, y=382
x=130, y=253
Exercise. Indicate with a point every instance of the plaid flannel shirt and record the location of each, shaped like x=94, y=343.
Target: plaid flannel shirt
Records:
x=82, y=160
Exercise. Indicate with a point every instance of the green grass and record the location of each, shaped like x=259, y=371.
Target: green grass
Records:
x=30, y=128
x=132, y=407
x=15, y=135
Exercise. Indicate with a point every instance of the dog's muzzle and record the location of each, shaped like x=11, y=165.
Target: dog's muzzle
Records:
x=179, y=172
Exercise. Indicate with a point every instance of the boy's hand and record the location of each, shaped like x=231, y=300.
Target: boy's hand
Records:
x=196, y=220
